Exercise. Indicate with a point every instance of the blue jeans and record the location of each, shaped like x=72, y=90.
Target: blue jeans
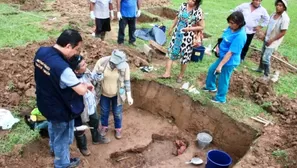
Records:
x=131, y=21
x=266, y=54
x=105, y=108
x=224, y=80
x=61, y=136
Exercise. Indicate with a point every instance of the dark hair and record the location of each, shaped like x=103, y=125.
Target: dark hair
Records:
x=277, y=1
x=237, y=18
x=69, y=36
x=74, y=62
x=198, y=3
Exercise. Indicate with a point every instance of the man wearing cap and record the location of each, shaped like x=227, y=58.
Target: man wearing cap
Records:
x=256, y=17
x=276, y=29
x=115, y=88
x=128, y=10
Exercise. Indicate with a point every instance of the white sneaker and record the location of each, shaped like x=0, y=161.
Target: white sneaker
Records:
x=93, y=34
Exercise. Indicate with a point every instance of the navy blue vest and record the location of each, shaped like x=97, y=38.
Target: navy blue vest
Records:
x=54, y=103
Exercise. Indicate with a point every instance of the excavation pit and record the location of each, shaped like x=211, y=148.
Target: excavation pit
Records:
x=160, y=116
x=164, y=12
x=144, y=18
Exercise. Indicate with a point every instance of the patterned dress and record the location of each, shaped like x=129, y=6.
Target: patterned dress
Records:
x=181, y=45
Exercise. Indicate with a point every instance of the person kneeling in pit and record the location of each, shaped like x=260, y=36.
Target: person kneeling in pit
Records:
x=89, y=115
x=114, y=87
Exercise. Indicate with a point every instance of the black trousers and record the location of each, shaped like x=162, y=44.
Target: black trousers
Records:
x=246, y=46
x=131, y=21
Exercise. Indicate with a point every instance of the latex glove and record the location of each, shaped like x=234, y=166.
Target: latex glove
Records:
x=138, y=13
x=119, y=15
x=92, y=15
x=98, y=76
x=111, y=15
x=129, y=98
x=82, y=128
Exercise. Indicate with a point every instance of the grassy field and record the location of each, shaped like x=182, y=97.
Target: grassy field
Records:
x=216, y=13
x=19, y=27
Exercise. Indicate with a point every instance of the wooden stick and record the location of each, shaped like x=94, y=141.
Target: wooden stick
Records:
x=254, y=118
x=291, y=66
x=260, y=118
x=123, y=158
x=268, y=121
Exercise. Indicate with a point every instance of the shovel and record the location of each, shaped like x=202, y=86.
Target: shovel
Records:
x=195, y=161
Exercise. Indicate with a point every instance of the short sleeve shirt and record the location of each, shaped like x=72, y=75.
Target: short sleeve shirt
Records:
x=101, y=9
x=282, y=23
x=68, y=79
x=233, y=42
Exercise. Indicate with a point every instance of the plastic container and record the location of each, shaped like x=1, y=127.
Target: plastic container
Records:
x=218, y=159
x=198, y=53
x=204, y=139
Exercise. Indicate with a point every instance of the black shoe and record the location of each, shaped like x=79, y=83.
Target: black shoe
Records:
x=74, y=162
x=103, y=140
x=207, y=90
x=85, y=152
x=133, y=44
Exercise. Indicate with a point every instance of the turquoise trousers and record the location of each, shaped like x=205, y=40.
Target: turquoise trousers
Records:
x=224, y=80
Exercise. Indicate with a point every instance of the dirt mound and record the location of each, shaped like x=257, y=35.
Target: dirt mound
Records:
x=276, y=64
x=246, y=86
x=281, y=136
x=261, y=92
x=27, y=5
x=17, y=76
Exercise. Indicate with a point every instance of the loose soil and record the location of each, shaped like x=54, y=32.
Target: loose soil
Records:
x=26, y=5
x=163, y=12
x=181, y=117
x=275, y=64
x=150, y=130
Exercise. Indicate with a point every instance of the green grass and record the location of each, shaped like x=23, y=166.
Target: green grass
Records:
x=287, y=86
x=19, y=134
x=18, y=27
x=216, y=13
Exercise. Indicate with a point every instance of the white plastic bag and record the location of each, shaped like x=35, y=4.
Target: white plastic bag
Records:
x=6, y=119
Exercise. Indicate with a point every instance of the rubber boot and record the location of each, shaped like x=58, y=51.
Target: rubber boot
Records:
x=81, y=142
x=266, y=70
x=97, y=138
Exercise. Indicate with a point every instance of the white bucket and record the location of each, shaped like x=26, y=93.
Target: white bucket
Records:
x=204, y=139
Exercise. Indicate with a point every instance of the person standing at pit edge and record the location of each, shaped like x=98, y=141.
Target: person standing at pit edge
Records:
x=188, y=21
x=59, y=94
x=115, y=88
x=128, y=10
x=277, y=28
x=256, y=17
x=102, y=12
x=229, y=50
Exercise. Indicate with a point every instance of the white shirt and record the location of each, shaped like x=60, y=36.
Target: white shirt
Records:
x=252, y=19
x=282, y=23
x=270, y=27
x=101, y=8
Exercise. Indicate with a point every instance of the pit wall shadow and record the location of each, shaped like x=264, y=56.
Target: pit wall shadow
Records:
x=229, y=135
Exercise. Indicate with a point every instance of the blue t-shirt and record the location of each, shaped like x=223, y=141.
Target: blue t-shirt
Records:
x=233, y=42
x=128, y=8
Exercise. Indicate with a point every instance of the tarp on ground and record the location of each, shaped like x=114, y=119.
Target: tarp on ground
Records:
x=155, y=33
